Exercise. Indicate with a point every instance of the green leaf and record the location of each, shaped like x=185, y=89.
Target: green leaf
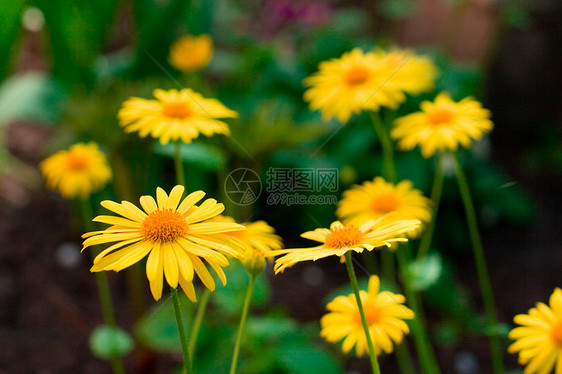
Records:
x=270, y=327
x=306, y=358
x=77, y=32
x=156, y=24
x=480, y=325
x=199, y=154
x=158, y=328
x=459, y=81
x=30, y=96
x=447, y=333
x=448, y=297
x=397, y=9
x=9, y=27
x=110, y=341
x=230, y=298
x=516, y=16
x=425, y=272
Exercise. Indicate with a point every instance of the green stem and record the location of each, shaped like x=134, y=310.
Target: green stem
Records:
x=404, y=359
x=243, y=318
x=198, y=320
x=387, y=148
x=481, y=267
x=387, y=257
x=181, y=330
x=419, y=332
x=387, y=265
x=436, y=190
x=102, y=283
x=178, y=162
x=353, y=279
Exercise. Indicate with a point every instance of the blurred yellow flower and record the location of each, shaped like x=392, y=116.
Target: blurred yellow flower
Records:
x=414, y=74
x=539, y=338
x=442, y=125
x=175, y=115
x=377, y=198
x=258, y=239
x=340, y=239
x=360, y=81
x=78, y=171
x=172, y=234
x=191, y=53
x=384, y=311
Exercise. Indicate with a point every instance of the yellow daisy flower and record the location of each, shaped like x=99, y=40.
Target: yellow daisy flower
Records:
x=171, y=234
x=414, y=74
x=360, y=81
x=191, y=53
x=258, y=236
x=385, y=313
x=539, y=338
x=339, y=239
x=175, y=115
x=442, y=125
x=377, y=198
x=78, y=171
x=259, y=239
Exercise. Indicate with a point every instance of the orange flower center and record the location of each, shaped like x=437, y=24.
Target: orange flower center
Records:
x=557, y=334
x=343, y=237
x=176, y=110
x=440, y=117
x=357, y=76
x=385, y=203
x=76, y=162
x=164, y=225
x=372, y=314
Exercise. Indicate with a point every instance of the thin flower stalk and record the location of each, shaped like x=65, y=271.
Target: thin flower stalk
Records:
x=436, y=190
x=181, y=330
x=387, y=263
x=423, y=344
x=481, y=267
x=198, y=320
x=355, y=286
x=243, y=318
x=419, y=330
x=178, y=163
x=387, y=147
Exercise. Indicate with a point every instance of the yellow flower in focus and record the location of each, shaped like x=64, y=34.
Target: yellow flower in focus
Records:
x=173, y=236
x=78, y=171
x=385, y=315
x=360, y=81
x=539, y=338
x=379, y=198
x=175, y=115
x=340, y=239
x=191, y=53
x=442, y=125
